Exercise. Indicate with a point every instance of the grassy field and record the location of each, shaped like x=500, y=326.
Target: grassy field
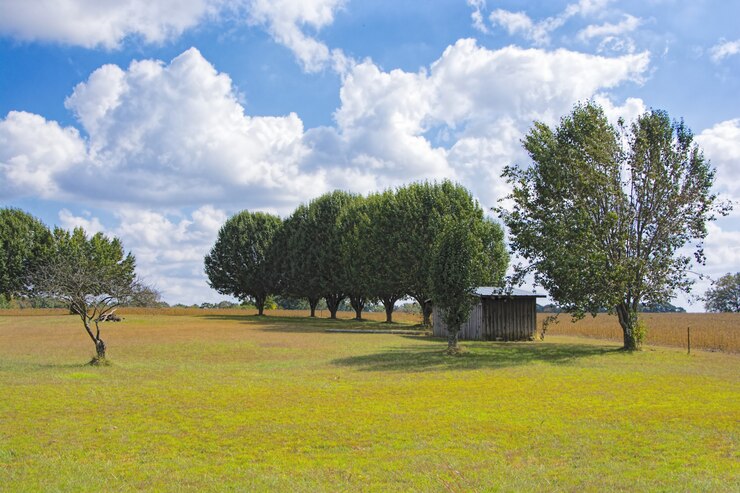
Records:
x=223, y=401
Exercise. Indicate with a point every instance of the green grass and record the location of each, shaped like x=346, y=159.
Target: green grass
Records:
x=241, y=403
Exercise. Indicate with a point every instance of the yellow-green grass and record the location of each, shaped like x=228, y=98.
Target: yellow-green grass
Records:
x=711, y=331
x=240, y=403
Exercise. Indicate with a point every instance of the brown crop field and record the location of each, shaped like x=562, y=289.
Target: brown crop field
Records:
x=709, y=331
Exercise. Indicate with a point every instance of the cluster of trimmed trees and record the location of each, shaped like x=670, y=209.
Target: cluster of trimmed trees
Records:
x=382, y=248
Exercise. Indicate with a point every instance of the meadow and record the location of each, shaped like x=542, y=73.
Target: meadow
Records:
x=223, y=400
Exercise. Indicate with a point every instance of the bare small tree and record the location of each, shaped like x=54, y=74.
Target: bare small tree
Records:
x=93, y=276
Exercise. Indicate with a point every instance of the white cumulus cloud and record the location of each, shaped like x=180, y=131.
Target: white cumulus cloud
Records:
x=721, y=144
x=158, y=139
x=175, y=133
x=93, y=23
x=34, y=152
x=108, y=24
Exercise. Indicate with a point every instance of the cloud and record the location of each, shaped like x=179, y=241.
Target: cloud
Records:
x=95, y=24
x=519, y=23
x=90, y=224
x=160, y=138
x=286, y=20
x=158, y=134
x=724, y=49
x=628, y=24
x=92, y=23
x=721, y=144
x=461, y=119
x=34, y=152
x=477, y=15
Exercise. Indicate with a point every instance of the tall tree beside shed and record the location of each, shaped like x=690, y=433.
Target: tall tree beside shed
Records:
x=93, y=276
x=455, y=272
x=602, y=212
x=423, y=209
x=241, y=264
x=25, y=242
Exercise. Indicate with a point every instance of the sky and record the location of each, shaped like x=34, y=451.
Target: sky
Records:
x=155, y=120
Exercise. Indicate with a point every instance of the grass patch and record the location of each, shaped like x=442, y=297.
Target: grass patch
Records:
x=214, y=402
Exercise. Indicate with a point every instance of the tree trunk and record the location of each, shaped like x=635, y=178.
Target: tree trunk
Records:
x=332, y=303
x=312, y=302
x=259, y=301
x=389, y=304
x=426, y=309
x=100, y=349
x=628, y=321
x=358, y=303
x=452, y=341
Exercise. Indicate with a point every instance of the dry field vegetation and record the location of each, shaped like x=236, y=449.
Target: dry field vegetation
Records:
x=709, y=331
x=215, y=401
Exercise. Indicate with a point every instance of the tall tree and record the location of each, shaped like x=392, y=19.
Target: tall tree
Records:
x=356, y=268
x=296, y=270
x=724, y=295
x=25, y=242
x=93, y=276
x=241, y=264
x=602, y=211
x=456, y=270
x=323, y=248
x=423, y=209
x=381, y=236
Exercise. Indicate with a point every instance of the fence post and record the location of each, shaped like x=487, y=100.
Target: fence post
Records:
x=688, y=339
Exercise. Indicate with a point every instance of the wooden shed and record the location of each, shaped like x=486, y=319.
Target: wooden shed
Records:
x=499, y=315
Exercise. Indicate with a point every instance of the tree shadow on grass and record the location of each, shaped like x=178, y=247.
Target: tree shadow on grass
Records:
x=308, y=324
x=29, y=366
x=484, y=355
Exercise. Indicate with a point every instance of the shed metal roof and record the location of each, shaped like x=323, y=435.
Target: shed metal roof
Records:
x=494, y=292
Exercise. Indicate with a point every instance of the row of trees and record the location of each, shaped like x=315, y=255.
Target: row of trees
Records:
x=91, y=275
x=383, y=247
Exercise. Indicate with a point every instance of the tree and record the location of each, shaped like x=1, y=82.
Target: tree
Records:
x=241, y=263
x=355, y=262
x=25, y=242
x=381, y=236
x=323, y=246
x=422, y=210
x=296, y=271
x=724, y=295
x=93, y=276
x=602, y=212
x=456, y=271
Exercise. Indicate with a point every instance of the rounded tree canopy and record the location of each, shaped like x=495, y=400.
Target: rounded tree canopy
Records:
x=25, y=242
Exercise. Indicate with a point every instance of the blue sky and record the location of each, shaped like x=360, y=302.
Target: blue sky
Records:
x=156, y=120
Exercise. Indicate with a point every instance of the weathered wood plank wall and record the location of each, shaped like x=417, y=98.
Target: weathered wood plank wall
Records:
x=492, y=319
x=472, y=330
x=509, y=319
